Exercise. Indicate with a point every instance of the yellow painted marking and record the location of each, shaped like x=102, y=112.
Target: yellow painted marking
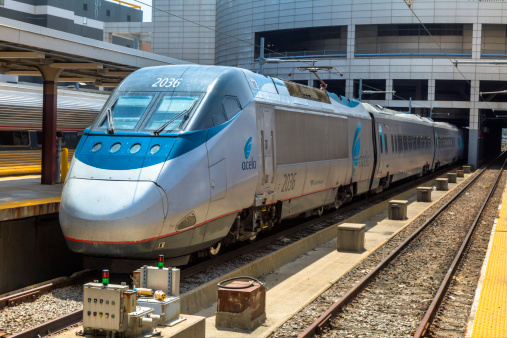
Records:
x=491, y=317
x=10, y=178
x=27, y=203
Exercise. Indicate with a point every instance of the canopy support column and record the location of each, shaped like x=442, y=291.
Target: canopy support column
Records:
x=49, y=117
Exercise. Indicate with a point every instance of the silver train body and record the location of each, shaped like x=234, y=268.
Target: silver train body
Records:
x=241, y=153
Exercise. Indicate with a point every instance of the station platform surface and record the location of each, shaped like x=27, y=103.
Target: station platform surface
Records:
x=489, y=312
x=25, y=196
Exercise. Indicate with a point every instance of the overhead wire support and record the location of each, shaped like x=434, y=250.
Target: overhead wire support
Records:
x=454, y=62
x=270, y=60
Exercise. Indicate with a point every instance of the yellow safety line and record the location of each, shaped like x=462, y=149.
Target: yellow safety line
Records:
x=491, y=317
x=27, y=203
x=21, y=170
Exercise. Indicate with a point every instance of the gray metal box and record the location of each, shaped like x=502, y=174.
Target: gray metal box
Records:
x=103, y=306
x=168, y=309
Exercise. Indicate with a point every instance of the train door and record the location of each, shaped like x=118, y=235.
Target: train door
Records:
x=381, y=149
x=267, y=152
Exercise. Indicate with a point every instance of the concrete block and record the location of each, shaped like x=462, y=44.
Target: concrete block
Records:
x=451, y=177
x=191, y=327
x=241, y=306
x=460, y=173
x=466, y=169
x=442, y=184
x=424, y=194
x=350, y=237
x=397, y=209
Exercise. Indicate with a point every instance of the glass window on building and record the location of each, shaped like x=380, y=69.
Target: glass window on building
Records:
x=452, y=90
x=406, y=89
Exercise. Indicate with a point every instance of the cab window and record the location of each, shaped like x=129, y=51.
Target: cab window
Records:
x=127, y=110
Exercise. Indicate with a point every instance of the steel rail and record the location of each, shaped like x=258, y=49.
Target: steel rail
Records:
x=430, y=314
x=324, y=319
x=51, y=326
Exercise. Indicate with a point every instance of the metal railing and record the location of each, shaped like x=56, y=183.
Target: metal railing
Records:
x=493, y=53
x=413, y=52
x=325, y=53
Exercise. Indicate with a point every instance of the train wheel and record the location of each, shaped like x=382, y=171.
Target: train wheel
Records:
x=319, y=211
x=215, y=249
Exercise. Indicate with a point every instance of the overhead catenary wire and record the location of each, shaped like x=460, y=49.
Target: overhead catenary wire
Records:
x=253, y=44
x=409, y=5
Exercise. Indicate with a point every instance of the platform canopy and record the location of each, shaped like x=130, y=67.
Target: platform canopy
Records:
x=30, y=50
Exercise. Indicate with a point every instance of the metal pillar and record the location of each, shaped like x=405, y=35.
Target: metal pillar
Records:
x=49, y=116
x=261, y=57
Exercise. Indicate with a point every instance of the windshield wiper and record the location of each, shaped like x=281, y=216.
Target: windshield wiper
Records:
x=110, y=122
x=162, y=127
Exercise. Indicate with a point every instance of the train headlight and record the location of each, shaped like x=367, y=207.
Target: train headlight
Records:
x=115, y=147
x=97, y=147
x=135, y=148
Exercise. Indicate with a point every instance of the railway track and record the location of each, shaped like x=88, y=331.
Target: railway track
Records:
x=402, y=294
x=291, y=231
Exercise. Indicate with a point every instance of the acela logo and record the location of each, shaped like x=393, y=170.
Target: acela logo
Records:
x=248, y=148
x=356, y=148
x=247, y=165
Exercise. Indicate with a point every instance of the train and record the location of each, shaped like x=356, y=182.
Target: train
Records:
x=21, y=120
x=188, y=159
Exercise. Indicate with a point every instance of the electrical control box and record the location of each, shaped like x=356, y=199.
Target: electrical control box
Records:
x=103, y=306
x=155, y=278
x=168, y=309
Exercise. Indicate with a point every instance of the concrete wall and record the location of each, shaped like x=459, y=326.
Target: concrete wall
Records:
x=33, y=250
x=182, y=39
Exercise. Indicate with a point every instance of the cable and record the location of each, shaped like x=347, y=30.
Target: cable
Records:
x=248, y=42
x=443, y=51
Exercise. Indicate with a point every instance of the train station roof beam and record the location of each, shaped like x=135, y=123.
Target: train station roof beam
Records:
x=76, y=65
x=22, y=55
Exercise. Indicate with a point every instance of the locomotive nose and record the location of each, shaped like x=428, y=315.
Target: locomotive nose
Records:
x=98, y=212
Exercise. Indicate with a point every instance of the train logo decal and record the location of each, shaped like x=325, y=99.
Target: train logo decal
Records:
x=248, y=148
x=248, y=164
x=356, y=148
x=381, y=133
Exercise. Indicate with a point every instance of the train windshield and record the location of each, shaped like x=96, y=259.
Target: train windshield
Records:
x=172, y=111
x=127, y=110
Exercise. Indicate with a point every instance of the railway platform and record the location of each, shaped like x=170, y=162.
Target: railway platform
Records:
x=24, y=196
x=489, y=312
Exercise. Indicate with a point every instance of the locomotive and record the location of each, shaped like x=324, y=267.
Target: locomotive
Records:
x=190, y=158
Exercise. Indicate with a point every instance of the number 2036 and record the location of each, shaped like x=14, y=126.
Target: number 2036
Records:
x=166, y=82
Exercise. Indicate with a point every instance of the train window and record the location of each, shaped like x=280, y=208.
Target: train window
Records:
x=14, y=138
x=171, y=107
x=127, y=110
x=387, y=144
x=218, y=118
x=405, y=143
x=392, y=143
x=400, y=143
x=231, y=106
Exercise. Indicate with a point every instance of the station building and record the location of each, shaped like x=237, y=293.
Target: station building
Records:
x=116, y=22
x=381, y=43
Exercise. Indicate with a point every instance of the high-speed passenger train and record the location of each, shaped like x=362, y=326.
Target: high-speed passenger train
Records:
x=186, y=159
